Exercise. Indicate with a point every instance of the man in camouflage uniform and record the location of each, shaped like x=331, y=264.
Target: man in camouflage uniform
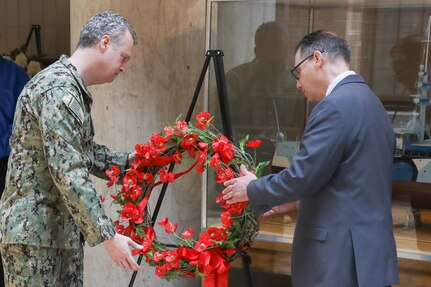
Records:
x=50, y=202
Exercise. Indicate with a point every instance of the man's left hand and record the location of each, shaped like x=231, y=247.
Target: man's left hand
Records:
x=236, y=188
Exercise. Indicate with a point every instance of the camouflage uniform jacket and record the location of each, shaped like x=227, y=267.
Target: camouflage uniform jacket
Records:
x=49, y=196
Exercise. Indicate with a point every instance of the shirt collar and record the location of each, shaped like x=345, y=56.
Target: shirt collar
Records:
x=338, y=79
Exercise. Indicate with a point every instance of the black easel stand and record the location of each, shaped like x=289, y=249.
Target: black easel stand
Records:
x=227, y=131
x=36, y=29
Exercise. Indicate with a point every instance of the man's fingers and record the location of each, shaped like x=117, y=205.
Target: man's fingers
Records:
x=127, y=264
x=116, y=262
x=135, y=245
x=243, y=169
x=132, y=264
x=228, y=189
x=268, y=214
x=229, y=182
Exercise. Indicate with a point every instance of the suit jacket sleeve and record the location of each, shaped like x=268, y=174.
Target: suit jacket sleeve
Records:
x=320, y=153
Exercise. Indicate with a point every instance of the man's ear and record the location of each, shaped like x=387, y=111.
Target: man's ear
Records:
x=104, y=42
x=318, y=59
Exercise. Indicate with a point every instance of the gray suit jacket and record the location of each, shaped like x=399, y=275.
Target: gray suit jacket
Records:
x=342, y=176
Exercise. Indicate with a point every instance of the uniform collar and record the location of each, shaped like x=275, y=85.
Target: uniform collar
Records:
x=66, y=62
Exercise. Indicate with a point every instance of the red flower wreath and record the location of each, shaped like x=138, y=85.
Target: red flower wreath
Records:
x=206, y=147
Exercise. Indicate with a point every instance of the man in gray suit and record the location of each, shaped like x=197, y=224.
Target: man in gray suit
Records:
x=341, y=176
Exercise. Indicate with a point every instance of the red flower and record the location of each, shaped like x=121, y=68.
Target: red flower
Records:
x=189, y=143
x=159, y=256
x=237, y=207
x=203, y=243
x=160, y=271
x=254, y=144
x=133, y=213
x=162, y=160
x=203, y=146
x=122, y=230
x=203, y=119
x=169, y=227
x=218, y=144
x=129, y=180
x=228, y=153
x=146, y=244
x=216, y=234
x=146, y=150
x=202, y=157
x=166, y=176
x=118, y=227
x=135, y=237
x=149, y=232
x=224, y=148
x=172, y=260
x=133, y=176
x=215, y=161
x=158, y=141
x=187, y=234
x=145, y=154
x=224, y=175
x=147, y=177
x=163, y=221
x=177, y=157
x=133, y=192
x=169, y=132
x=226, y=219
x=113, y=175
x=189, y=254
x=180, y=128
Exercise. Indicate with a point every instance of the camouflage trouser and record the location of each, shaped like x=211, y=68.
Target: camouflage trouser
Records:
x=26, y=265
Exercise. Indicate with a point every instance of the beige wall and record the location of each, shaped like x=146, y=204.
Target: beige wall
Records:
x=155, y=89
x=17, y=16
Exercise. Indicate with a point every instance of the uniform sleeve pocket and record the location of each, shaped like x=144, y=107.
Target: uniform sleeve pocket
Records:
x=313, y=232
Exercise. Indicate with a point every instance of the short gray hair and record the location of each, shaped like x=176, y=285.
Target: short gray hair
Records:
x=105, y=23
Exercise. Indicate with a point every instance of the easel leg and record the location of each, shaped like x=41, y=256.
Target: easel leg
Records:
x=246, y=261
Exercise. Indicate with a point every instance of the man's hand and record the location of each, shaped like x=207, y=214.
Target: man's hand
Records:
x=236, y=188
x=282, y=208
x=118, y=248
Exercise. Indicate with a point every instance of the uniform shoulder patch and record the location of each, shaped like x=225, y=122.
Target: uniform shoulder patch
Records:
x=75, y=107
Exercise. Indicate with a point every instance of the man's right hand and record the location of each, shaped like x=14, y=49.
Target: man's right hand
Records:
x=282, y=208
x=118, y=248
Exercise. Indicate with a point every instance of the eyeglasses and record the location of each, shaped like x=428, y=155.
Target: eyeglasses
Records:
x=294, y=72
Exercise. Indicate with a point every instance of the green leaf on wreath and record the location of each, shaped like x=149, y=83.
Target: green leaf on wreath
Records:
x=243, y=142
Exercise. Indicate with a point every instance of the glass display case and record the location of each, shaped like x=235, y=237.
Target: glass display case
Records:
x=389, y=44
